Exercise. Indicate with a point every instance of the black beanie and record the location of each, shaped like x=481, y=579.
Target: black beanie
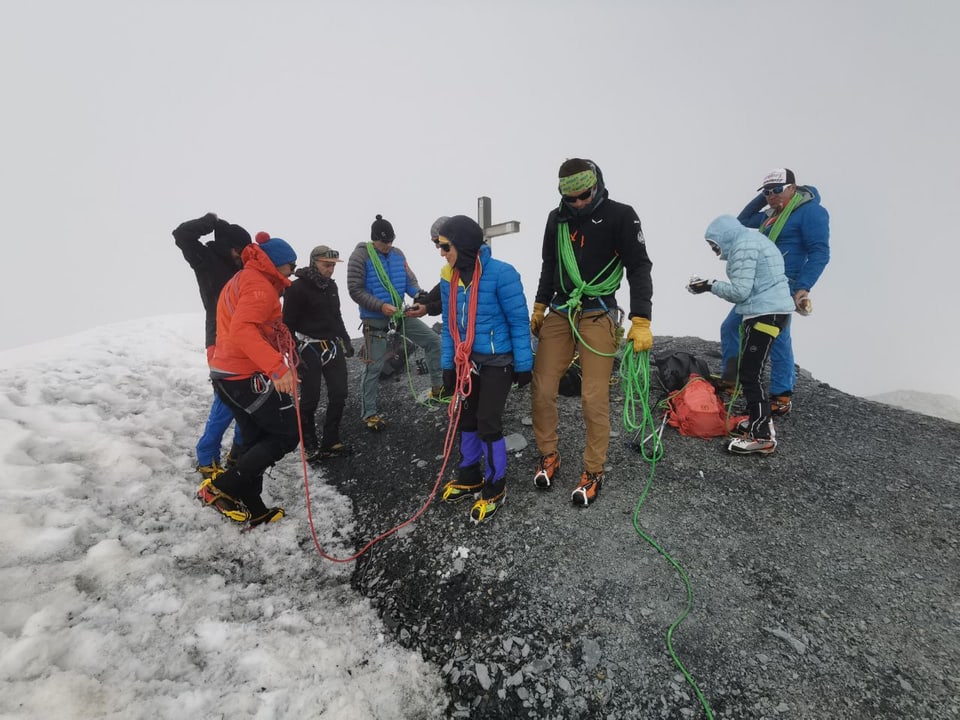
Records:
x=466, y=236
x=382, y=230
x=233, y=235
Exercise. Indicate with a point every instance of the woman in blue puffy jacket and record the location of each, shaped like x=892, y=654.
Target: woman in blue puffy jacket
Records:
x=499, y=356
x=759, y=288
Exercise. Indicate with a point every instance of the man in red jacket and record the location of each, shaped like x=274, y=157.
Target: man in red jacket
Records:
x=251, y=374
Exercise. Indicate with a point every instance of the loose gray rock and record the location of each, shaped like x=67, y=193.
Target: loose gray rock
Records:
x=847, y=535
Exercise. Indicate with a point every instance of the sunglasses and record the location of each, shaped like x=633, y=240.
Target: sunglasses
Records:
x=767, y=192
x=585, y=195
x=444, y=247
x=332, y=254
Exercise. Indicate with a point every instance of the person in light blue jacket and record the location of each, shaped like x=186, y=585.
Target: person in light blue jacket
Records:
x=486, y=342
x=760, y=292
x=792, y=217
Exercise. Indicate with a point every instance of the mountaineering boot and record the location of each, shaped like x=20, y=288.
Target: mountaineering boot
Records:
x=492, y=497
x=547, y=467
x=437, y=395
x=208, y=472
x=311, y=452
x=494, y=489
x=375, y=422
x=780, y=405
x=750, y=444
x=469, y=477
x=227, y=506
x=337, y=449
x=588, y=489
x=467, y=484
x=270, y=516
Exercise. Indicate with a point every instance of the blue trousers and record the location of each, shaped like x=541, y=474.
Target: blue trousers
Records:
x=208, y=446
x=783, y=374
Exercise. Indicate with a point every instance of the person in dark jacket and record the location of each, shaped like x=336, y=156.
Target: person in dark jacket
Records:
x=793, y=218
x=589, y=244
x=486, y=338
x=214, y=263
x=311, y=309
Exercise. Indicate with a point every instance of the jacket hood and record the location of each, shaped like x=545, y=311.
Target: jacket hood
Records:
x=724, y=231
x=254, y=258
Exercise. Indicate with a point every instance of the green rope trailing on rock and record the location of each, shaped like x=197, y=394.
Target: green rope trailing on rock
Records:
x=635, y=379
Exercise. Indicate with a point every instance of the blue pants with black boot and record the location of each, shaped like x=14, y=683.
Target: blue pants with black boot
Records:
x=208, y=446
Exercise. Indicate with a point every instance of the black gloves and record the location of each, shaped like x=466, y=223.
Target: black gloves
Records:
x=522, y=378
x=449, y=382
x=421, y=298
x=697, y=286
x=347, y=346
x=201, y=226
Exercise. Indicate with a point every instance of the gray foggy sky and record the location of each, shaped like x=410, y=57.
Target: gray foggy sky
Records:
x=305, y=119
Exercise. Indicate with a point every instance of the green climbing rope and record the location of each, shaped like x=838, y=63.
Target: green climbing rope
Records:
x=635, y=379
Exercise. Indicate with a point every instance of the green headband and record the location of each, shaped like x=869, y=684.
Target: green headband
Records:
x=578, y=183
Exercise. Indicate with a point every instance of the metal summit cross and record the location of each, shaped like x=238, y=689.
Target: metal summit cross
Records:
x=490, y=231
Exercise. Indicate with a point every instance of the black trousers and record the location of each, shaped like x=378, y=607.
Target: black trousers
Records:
x=322, y=361
x=757, y=337
x=482, y=411
x=268, y=421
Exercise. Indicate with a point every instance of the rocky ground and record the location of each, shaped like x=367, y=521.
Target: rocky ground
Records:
x=824, y=578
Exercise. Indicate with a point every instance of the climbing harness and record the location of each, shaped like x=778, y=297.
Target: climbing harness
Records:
x=611, y=274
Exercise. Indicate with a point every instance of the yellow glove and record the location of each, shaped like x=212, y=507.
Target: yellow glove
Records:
x=536, y=319
x=640, y=334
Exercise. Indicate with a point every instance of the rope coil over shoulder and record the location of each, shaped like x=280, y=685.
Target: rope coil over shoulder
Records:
x=612, y=274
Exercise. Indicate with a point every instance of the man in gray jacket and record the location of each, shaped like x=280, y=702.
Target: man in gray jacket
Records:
x=378, y=278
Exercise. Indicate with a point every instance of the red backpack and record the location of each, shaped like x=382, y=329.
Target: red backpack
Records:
x=697, y=411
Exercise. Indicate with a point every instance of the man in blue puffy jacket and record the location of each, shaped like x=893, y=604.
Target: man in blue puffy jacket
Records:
x=793, y=218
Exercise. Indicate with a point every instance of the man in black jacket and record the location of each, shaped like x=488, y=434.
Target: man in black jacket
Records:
x=311, y=309
x=214, y=263
x=589, y=244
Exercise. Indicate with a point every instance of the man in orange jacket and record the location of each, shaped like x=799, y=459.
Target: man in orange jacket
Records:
x=251, y=374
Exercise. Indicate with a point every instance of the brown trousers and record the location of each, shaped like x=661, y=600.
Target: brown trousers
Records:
x=554, y=355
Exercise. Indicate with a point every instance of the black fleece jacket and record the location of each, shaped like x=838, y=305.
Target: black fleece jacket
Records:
x=609, y=229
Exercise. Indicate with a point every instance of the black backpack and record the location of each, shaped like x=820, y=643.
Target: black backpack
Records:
x=674, y=370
